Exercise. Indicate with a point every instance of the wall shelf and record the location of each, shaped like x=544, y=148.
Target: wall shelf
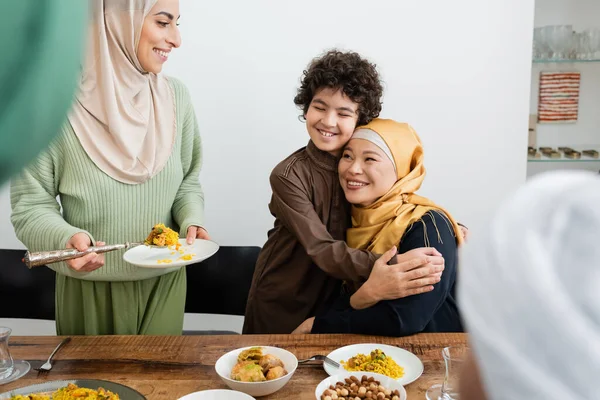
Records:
x=563, y=159
x=563, y=61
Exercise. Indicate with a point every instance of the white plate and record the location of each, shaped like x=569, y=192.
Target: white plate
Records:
x=124, y=392
x=148, y=256
x=413, y=367
x=217, y=394
x=385, y=381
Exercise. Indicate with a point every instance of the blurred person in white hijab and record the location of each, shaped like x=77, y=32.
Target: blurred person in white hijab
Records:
x=529, y=291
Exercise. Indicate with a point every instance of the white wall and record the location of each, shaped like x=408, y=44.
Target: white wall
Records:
x=459, y=71
x=585, y=133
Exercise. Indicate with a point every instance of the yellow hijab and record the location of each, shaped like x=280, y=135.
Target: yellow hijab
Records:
x=381, y=225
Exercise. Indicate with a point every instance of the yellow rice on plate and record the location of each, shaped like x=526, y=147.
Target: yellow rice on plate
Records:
x=377, y=362
x=163, y=236
x=71, y=392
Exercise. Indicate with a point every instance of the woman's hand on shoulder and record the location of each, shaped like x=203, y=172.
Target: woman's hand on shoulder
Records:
x=196, y=232
x=414, y=272
x=413, y=256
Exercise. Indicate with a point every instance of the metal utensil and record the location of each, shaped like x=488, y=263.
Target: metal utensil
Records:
x=48, y=364
x=48, y=257
x=321, y=358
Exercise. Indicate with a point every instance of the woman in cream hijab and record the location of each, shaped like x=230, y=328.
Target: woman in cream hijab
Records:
x=127, y=158
x=529, y=294
x=380, y=171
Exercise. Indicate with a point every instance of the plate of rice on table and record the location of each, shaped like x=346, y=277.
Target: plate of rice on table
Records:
x=164, y=249
x=77, y=389
x=391, y=361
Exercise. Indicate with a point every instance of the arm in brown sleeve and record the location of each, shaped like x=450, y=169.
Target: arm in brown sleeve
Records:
x=293, y=207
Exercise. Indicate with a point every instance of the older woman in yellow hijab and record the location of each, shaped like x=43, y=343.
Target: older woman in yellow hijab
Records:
x=380, y=171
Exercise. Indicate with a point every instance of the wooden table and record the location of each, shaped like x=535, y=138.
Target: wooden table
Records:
x=168, y=367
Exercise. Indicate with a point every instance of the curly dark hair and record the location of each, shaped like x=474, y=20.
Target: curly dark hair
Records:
x=355, y=76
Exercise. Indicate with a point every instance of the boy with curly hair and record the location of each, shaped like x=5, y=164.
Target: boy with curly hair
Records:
x=300, y=269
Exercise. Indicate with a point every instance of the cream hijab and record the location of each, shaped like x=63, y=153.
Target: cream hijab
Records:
x=529, y=291
x=124, y=117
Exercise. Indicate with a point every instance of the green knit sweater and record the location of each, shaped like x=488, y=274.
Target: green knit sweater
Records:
x=106, y=209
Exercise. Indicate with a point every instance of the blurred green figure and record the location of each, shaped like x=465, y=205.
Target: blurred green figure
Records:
x=41, y=48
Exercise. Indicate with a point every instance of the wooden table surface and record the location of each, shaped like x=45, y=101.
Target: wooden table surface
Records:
x=168, y=367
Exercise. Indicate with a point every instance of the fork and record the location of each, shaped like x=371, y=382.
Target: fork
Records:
x=321, y=358
x=48, y=364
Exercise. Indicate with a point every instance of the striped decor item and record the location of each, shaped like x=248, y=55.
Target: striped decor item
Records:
x=559, y=97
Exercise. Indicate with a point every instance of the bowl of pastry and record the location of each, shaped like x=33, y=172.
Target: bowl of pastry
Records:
x=257, y=370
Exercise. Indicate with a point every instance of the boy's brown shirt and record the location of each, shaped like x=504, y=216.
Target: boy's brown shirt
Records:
x=301, y=266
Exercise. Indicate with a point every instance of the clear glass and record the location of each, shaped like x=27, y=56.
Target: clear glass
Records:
x=454, y=358
x=559, y=43
x=6, y=361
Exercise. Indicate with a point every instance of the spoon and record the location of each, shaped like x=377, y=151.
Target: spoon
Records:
x=36, y=259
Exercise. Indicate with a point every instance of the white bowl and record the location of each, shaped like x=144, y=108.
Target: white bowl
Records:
x=385, y=381
x=226, y=363
x=217, y=394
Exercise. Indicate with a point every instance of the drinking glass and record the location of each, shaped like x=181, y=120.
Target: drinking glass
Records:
x=6, y=361
x=454, y=359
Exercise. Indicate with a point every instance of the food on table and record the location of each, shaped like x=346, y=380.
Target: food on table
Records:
x=163, y=236
x=275, y=372
x=254, y=366
x=269, y=361
x=377, y=362
x=247, y=371
x=71, y=392
x=253, y=353
x=364, y=388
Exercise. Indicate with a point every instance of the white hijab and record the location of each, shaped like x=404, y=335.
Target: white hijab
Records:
x=529, y=291
x=124, y=117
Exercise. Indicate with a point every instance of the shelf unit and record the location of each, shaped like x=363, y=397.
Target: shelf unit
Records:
x=561, y=61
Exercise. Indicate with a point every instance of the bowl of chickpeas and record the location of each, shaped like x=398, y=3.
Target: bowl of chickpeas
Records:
x=359, y=386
